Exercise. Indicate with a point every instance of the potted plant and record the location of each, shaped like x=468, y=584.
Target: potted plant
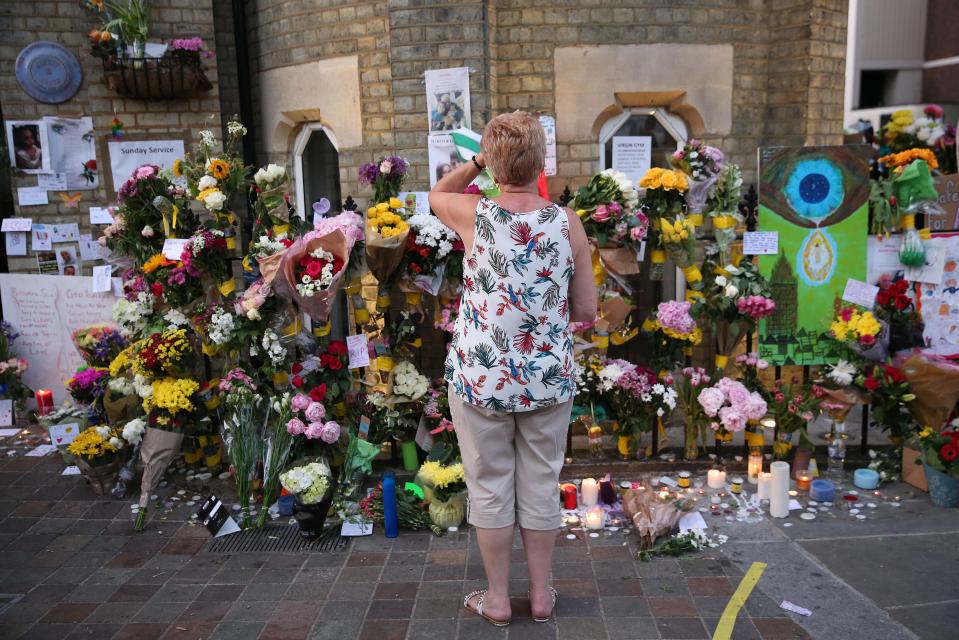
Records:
x=97, y=450
x=447, y=486
x=940, y=458
x=311, y=484
x=131, y=22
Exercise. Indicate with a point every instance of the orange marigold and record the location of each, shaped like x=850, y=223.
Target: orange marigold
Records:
x=901, y=159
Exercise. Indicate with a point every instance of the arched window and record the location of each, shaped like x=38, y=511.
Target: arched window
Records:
x=316, y=168
x=666, y=131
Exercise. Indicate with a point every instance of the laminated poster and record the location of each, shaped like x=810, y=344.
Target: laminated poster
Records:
x=448, y=98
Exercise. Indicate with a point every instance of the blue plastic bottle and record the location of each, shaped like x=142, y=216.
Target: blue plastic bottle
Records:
x=391, y=520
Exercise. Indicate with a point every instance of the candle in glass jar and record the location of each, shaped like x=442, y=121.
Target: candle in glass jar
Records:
x=754, y=466
x=44, y=401
x=736, y=485
x=765, y=479
x=716, y=478
x=683, y=478
x=590, y=492
x=594, y=518
x=803, y=479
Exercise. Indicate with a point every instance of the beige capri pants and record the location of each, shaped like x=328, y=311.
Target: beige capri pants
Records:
x=512, y=462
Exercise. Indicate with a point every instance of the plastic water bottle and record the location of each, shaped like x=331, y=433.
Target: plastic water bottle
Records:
x=390, y=518
x=837, y=454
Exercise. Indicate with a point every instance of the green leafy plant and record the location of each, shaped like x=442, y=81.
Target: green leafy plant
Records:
x=131, y=20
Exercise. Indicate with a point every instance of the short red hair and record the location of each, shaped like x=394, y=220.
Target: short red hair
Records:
x=514, y=147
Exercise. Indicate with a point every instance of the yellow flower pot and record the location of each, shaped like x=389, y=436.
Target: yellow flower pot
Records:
x=450, y=513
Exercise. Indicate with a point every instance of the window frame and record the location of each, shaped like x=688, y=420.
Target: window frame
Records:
x=299, y=148
x=672, y=123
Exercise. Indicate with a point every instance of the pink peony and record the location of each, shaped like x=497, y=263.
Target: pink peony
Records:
x=675, y=315
x=300, y=402
x=711, y=399
x=145, y=171
x=314, y=430
x=755, y=407
x=732, y=419
x=330, y=432
x=296, y=426
x=316, y=411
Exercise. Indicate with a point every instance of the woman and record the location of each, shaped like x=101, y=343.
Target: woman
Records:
x=527, y=274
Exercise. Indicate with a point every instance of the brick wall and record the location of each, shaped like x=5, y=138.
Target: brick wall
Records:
x=65, y=22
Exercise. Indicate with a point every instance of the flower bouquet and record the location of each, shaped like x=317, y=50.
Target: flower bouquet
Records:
x=793, y=405
x=311, y=272
x=673, y=330
x=88, y=386
x=439, y=439
x=409, y=508
x=895, y=307
x=244, y=415
x=703, y=164
x=269, y=181
x=175, y=283
x=664, y=204
x=940, y=457
x=429, y=244
x=307, y=419
x=311, y=484
x=734, y=299
x=97, y=452
x=386, y=177
x=889, y=398
x=167, y=353
x=731, y=406
x=206, y=252
x=277, y=442
x=447, y=485
x=861, y=332
x=688, y=384
x=603, y=204
x=216, y=325
x=915, y=193
x=935, y=383
x=98, y=344
x=638, y=401
x=350, y=224
x=653, y=515
x=386, y=231
x=905, y=131
x=722, y=206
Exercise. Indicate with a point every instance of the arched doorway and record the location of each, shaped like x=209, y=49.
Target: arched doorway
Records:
x=316, y=166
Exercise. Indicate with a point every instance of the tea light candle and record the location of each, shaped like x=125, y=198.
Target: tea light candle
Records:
x=736, y=484
x=764, y=479
x=716, y=478
x=803, y=479
x=683, y=479
x=44, y=401
x=594, y=518
x=590, y=492
x=754, y=466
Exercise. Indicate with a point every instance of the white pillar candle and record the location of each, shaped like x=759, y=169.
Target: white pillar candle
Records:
x=594, y=518
x=779, y=490
x=590, y=492
x=716, y=478
x=765, y=484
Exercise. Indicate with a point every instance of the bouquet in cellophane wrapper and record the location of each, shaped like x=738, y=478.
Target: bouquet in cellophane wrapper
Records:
x=386, y=232
x=654, y=514
x=703, y=165
x=605, y=204
x=311, y=273
x=429, y=245
x=664, y=204
x=722, y=206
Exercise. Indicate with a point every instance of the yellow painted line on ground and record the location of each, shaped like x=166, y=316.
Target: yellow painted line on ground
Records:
x=724, y=629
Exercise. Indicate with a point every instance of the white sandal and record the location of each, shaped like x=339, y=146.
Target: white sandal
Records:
x=479, y=608
x=554, y=595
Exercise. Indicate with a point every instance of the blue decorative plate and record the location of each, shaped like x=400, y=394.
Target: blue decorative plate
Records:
x=48, y=72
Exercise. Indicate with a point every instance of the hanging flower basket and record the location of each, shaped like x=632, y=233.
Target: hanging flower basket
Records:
x=164, y=78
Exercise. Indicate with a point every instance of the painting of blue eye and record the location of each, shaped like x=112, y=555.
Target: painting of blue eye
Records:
x=814, y=188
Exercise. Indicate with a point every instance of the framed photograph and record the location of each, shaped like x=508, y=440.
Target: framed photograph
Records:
x=67, y=262
x=27, y=141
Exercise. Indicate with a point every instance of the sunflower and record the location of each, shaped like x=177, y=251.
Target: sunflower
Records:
x=219, y=169
x=178, y=168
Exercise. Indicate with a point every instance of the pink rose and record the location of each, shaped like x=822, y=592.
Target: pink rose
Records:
x=316, y=411
x=330, y=432
x=762, y=365
x=300, y=402
x=144, y=172
x=295, y=426
x=601, y=214
x=314, y=430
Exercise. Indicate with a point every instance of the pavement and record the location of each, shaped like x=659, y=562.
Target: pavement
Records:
x=72, y=567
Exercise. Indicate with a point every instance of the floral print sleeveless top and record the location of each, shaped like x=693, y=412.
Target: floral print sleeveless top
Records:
x=512, y=349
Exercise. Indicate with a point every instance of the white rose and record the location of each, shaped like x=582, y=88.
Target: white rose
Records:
x=147, y=231
x=206, y=182
x=731, y=291
x=215, y=201
x=260, y=177
x=253, y=314
x=721, y=281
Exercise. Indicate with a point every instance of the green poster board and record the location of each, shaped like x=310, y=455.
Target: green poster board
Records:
x=817, y=200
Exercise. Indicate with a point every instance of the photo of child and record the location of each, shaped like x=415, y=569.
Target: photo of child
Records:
x=26, y=140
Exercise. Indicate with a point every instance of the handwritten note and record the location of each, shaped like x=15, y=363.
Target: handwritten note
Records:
x=63, y=434
x=65, y=232
x=100, y=215
x=760, y=243
x=173, y=247
x=52, y=181
x=16, y=242
x=17, y=224
x=32, y=196
x=45, y=311
x=6, y=412
x=861, y=293
x=101, y=279
x=40, y=239
x=359, y=350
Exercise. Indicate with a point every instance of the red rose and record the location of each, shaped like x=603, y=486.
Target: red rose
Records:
x=901, y=286
x=314, y=269
x=305, y=260
x=286, y=242
x=325, y=359
x=871, y=383
x=867, y=341
x=949, y=452
x=337, y=348
x=894, y=374
x=882, y=298
x=297, y=381
x=318, y=393
x=157, y=289
x=424, y=252
x=334, y=364
x=415, y=268
x=902, y=303
x=846, y=314
x=91, y=165
x=297, y=367
x=337, y=265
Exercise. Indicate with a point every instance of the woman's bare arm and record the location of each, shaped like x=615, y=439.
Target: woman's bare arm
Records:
x=454, y=208
x=583, y=295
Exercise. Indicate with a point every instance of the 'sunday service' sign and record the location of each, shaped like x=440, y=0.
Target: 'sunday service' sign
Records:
x=127, y=155
x=45, y=311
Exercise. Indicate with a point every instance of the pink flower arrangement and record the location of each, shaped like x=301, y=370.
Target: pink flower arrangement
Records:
x=300, y=402
x=295, y=426
x=236, y=377
x=315, y=412
x=348, y=222
x=145, y=171
x=732, y=404
x=756, y=307
x=674, y=315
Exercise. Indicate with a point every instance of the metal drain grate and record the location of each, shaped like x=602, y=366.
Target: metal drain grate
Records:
x=273, y=539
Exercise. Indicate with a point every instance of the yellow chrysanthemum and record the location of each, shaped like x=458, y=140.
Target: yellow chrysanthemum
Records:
x=90, y=444
x=156, y=261
x=172, y=395
x=219, y=169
